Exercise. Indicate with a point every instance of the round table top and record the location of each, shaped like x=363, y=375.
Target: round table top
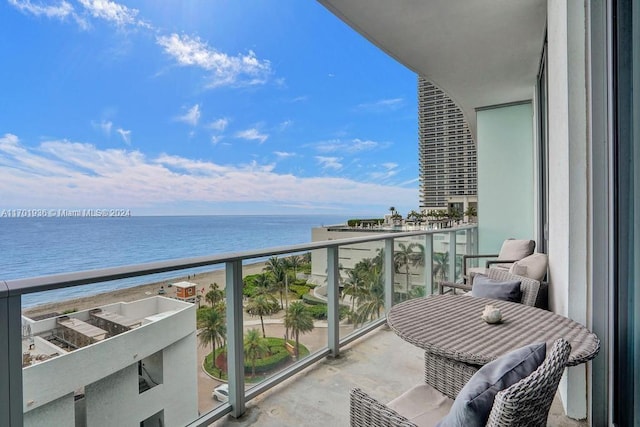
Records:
x=451, y=326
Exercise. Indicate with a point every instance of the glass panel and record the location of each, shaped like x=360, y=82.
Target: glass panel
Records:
x=362, y=282
x=409, y=260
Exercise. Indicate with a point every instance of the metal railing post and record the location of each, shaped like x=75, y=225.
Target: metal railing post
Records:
x=452, y=256
x=469, y=240
x=235, y=337
x=10, y=359
x=428, y=264
x=389, y=270
x=333, y=286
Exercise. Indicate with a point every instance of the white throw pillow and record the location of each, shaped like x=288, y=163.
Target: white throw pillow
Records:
x=513, y=249
x=535, y=266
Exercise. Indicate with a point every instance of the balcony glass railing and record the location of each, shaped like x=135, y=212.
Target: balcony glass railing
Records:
x=204, y=335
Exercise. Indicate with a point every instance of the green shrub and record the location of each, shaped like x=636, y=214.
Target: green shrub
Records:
x=318, y=312
x=299, y=290
x=312, y=300
x=249, y=286
x=368, y=221
x=279, y=356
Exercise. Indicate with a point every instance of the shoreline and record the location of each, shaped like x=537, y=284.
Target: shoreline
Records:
x=203, y=280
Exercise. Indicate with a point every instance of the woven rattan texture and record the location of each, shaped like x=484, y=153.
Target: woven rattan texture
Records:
x=524, y=404
x=527, y=402
x=368, y=412
x=450, y=326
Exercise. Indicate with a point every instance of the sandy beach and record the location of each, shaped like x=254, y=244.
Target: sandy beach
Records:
x=203, y=280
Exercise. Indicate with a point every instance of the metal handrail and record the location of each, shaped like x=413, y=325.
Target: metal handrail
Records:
x=11, y=291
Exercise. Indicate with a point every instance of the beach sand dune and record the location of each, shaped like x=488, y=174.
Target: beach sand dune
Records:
x=203, y=280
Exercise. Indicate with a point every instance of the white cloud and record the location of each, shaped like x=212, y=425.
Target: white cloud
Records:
x=59, y=174
x=219, y=124
x=382, y=105
x=107, y=10
x=111, y=11
x=105, y=126
x=299, y=99
x=60, y=10
x=225, y=69
x=329, y=162
x=389, y=170
x=125, y=134
x=215, y=139
x=285, y=125
x=355, y=145
x=252, y=134
x=191, y=117
x=284, y=154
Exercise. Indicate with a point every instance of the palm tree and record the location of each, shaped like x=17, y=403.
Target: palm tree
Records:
x=215, y=294
x=353, y=286
x=417, y=292
x=278, y=275
x=404, y=258
x=440, y=264
x=262, y=284
x=414, y=216
x=262, y=305
x=255, y=347
x=371, y=301
x=294, y=262
x=298, y=319
x=214, y=330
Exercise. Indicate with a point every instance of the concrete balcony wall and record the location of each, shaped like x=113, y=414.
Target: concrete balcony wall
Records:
x=569, y=259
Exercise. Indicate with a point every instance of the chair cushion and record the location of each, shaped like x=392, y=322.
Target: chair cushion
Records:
x=535, y=266
x=484, y=287
x=518, y=269
x=423, y=405
x=476, y=270
x=473, y=404
x=513, y=249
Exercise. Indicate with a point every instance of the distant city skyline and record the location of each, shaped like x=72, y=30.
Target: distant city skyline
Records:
x=201, y=107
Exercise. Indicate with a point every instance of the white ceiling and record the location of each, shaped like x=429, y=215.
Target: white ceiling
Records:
x=480, y=52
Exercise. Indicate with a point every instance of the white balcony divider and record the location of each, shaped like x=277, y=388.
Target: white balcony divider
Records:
x=11, y=291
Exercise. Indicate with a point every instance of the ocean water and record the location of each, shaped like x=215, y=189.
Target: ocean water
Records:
x=31, y=247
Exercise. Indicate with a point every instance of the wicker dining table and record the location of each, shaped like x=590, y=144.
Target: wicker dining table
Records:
x=457, y=342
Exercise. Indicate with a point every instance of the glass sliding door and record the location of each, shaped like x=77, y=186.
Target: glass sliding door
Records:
x=626, y=310
x=543, y=150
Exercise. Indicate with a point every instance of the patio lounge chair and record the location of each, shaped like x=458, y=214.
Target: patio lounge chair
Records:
x=532, y=291
x=524, y=403
x=512, y=250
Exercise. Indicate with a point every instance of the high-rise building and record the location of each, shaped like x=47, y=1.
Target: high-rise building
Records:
x=447, y=152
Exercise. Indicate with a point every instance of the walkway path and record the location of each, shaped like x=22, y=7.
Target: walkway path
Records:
x=274, y=327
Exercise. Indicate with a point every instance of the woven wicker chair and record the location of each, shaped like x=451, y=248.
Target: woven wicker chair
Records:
x=525, y=403
x=530, y=288
x=512, y=250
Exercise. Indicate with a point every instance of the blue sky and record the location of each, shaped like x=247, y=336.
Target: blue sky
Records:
x=201, y=107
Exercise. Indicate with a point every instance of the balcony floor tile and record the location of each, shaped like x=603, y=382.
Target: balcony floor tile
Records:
x=380, y=363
